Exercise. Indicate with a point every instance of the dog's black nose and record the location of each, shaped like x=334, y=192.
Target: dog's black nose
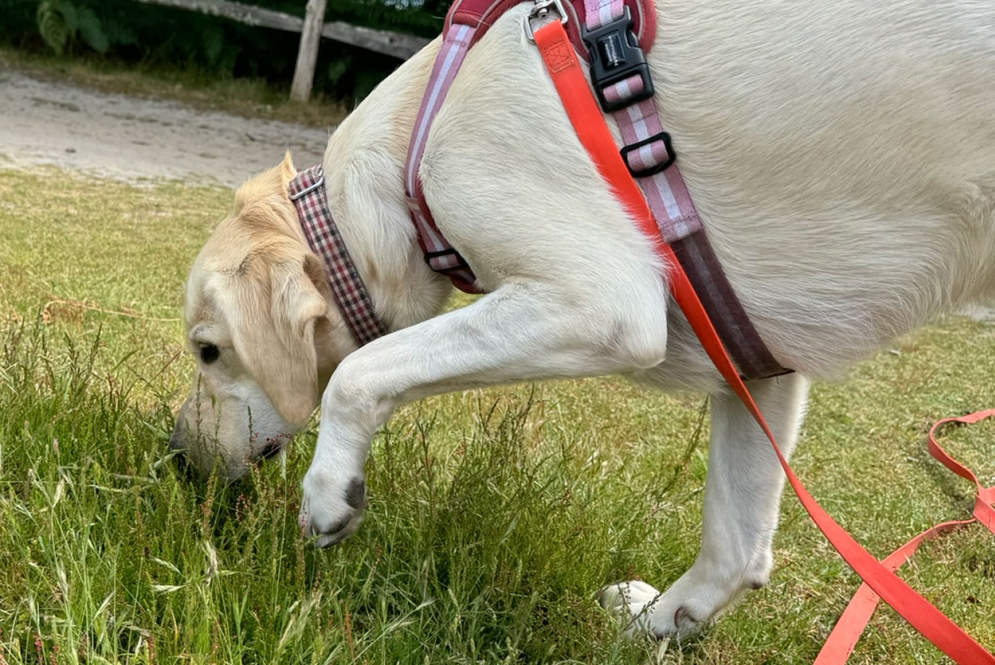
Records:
x=176, y=439
x=177, y=446
x=182, y=464
x=272, y=449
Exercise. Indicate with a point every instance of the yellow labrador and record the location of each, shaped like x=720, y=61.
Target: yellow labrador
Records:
x=842, y=156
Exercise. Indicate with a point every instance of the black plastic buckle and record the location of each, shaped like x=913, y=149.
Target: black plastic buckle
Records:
x=653, y=170
x=615, y=56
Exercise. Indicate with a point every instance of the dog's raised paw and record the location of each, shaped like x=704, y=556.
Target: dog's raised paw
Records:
x=330, y=511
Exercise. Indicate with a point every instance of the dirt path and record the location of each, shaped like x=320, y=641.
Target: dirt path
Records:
x=132, y=139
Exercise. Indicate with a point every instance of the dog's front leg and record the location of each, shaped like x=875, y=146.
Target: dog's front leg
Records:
x=520, y=332
x=742, y=497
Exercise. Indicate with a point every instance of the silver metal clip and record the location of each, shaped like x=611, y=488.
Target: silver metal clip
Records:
x=541, y=11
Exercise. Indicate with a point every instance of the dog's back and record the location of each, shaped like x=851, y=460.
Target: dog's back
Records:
x=842, y=156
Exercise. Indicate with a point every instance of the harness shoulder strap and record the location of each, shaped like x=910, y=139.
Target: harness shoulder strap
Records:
x=441, y=256
x=466, y=22
x=616, y=33
x=621, y=80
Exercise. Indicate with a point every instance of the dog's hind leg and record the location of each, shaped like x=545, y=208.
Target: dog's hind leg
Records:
x=742, y=497
x=523, y=331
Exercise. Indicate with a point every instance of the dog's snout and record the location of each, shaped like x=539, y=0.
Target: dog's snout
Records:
x=177, y=441
x=183, y=466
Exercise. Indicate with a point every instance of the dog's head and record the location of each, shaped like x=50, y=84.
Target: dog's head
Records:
x=259, y=324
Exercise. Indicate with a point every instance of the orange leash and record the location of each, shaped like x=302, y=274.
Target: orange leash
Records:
x=858, y=612
x=586, y=118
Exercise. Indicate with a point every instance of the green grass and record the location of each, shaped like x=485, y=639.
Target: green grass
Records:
x=494, y=515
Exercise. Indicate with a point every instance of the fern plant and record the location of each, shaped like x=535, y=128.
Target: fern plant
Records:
x=60, y=22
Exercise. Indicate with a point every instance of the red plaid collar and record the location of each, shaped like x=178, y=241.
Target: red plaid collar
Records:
x=307, y=191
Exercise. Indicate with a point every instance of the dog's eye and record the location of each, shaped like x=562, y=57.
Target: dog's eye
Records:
x=209, y=353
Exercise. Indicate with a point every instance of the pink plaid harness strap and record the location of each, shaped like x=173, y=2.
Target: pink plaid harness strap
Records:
x=307, y=191
x=617, y=33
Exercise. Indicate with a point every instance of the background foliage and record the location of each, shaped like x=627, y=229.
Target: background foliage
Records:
x=138, y=33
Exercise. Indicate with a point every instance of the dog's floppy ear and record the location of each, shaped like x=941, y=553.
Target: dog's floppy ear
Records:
x=275, y=339
x=287, y=170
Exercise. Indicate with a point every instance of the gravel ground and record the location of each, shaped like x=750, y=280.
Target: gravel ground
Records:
x=134, y=139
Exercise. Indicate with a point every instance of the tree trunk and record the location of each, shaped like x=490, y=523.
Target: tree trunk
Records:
x=307, y=54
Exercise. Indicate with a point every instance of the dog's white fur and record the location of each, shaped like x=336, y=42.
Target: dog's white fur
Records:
x=841, y=154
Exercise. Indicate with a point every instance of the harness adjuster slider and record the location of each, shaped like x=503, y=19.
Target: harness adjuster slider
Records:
x=319, y=181
x=615, y=57
x=656, y=168
x=435, y=261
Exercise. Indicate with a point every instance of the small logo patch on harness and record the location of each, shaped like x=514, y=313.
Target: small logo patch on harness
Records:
x=559, y=56
x=612, y=53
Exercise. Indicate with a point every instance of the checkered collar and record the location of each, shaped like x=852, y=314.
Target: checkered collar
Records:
x=307, y=191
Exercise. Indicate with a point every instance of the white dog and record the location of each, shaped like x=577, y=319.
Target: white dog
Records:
x=842, y=156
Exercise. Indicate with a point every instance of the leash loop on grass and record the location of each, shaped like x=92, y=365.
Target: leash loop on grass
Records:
x=585, y=116
x=858, y=612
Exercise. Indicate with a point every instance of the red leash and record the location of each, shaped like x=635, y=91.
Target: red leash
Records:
x=848, y=629
x=585, y=115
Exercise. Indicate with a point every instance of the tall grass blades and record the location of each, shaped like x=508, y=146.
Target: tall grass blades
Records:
x=488, y=552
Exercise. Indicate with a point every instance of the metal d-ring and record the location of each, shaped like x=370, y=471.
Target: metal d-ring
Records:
x=541, y=11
